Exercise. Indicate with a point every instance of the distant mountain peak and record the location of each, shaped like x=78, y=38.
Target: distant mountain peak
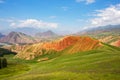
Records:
x=49, y=32
x=17, y=37
x=46, y=34
x=108, y=34
x=1, y=35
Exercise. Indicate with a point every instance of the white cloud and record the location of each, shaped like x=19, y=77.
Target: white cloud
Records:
x=52, y=17
x=107, y=16
x=90, y=1
x=13, y=24
x=64, y=8
x=33, y=23
x=80, y=0
x=6, y=20
x=86, y=1
x=2, y=1
x=80, y=20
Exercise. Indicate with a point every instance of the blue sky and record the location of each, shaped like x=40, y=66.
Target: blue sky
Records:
x=58, y=15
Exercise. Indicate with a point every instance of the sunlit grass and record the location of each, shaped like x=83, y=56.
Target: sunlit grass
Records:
x=100, y=64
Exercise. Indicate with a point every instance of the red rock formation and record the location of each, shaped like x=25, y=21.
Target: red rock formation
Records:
x=62, y=44
x=75, y=43
x=85, y=44
x=116, y=43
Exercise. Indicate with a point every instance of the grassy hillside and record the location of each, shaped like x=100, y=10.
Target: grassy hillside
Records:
x=100, y=64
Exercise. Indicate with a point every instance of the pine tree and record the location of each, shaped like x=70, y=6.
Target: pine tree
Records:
x=4, y=62
x=0, y=63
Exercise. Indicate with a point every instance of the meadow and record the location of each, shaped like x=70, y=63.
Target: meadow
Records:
x=99, y=64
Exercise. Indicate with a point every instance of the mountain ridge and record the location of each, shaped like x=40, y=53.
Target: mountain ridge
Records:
x=46, y=34
x=75, y=42
x=17, y=38
x=107, y=34
x=1, y=35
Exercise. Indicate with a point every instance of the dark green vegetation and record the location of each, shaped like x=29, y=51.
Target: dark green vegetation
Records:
x=5, y=52
x=3, y=62
x=100, y=64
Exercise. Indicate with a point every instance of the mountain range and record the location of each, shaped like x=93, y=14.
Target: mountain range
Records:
x=22, y=38
x=108, y=34
x=69, y=57
x=1, y=35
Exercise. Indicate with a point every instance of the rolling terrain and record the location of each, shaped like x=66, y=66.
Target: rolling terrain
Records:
x=75, y=43
x=99, y=64
x=108, y=34
x=59, y=39
x=70, y=58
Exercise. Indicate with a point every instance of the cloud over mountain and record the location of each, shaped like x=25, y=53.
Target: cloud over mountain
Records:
x=106, y=16
x=33, y=23
x=110, y=15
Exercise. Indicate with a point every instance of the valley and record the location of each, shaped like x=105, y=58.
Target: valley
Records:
x=96, y=64
x=59, y=39
x=72, y=57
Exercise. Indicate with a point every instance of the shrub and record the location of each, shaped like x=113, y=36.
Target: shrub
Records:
x=0, y=63
x=3, y=63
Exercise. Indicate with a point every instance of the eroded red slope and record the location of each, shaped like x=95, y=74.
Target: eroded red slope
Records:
x=61, y=44
x=75, y=43
x=116, y=43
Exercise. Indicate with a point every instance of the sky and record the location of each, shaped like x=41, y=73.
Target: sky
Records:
x=58, y=15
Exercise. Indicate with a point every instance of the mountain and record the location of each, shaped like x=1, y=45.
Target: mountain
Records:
x=1, y=35
x=108, y=28
x=26, y=30
x=72, y=44
x=17, y=38
x=46, y=34
x=107, y=34
x=116, y=43
x=100, y=63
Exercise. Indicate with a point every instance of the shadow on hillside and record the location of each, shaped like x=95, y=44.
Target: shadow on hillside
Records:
x=6, y=52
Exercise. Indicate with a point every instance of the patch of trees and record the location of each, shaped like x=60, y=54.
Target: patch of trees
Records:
x=3, y=62
x=5, y=52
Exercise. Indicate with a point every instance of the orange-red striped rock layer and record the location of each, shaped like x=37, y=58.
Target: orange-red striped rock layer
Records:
x=75, y=43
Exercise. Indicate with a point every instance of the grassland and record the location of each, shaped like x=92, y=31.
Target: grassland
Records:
x=99, y=64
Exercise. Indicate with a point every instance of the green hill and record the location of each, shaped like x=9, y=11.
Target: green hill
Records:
x=99, y=64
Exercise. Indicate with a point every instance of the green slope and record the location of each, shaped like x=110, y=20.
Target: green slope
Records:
x=100, y=64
